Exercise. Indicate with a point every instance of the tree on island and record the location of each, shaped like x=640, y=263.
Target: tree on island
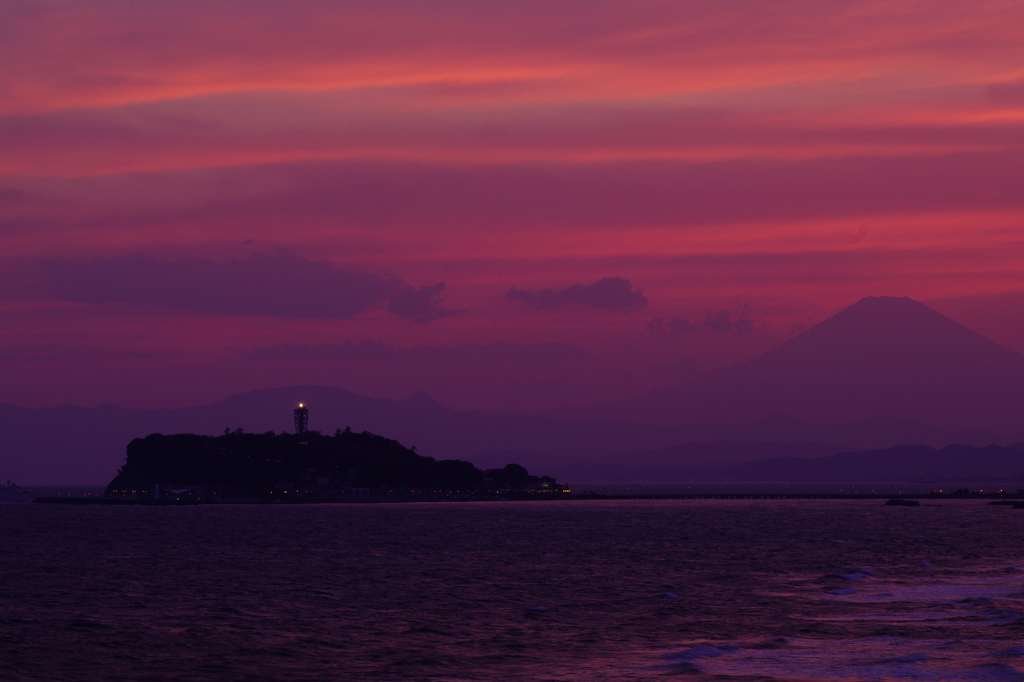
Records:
x=516, y=477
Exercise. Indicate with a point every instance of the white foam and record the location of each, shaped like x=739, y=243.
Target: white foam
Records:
x=683, y=661
x=700, y=651
x=947, y=591
x=870, y=658
x=842, y=591
x=909, y=658
x=972, y=603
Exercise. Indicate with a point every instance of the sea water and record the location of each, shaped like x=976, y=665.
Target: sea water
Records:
x=559, y=590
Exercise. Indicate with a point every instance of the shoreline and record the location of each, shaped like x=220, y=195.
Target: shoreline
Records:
x=1010, y=498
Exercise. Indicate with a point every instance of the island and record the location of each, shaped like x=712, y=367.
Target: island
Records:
x=307, y=467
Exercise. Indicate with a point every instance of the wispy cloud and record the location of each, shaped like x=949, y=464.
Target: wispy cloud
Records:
x=371, y=350
x=273, y=285
x=670, y=325
x=607, y=293
x=725, y=321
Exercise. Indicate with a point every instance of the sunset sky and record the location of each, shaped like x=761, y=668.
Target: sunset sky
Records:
x=508, y=205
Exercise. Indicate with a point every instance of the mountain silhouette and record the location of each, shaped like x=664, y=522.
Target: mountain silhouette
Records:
x=903, y=463
x=881, y=373
x=882, y=357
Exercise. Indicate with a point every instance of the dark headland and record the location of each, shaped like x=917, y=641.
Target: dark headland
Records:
x=304, y=467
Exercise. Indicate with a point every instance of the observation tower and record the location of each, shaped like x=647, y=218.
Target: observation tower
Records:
x=301, y=419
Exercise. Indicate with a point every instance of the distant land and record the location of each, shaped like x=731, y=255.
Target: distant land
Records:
x=740, y=462
x=881, y=357
x=260, y=467
x=882, y=373
x=903, y=463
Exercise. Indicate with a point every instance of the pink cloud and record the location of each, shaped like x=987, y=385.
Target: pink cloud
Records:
x=797, y=155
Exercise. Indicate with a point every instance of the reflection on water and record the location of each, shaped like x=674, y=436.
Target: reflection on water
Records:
x=968, y=606
x=599, y=590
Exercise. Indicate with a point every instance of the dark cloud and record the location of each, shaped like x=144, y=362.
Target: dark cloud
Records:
x=421, y=305
x=372, y=350
x=274, y=285
x=608, y=293
x=671, y=325
x=724, y=321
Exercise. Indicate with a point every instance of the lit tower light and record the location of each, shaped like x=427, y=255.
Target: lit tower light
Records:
x=301, y=419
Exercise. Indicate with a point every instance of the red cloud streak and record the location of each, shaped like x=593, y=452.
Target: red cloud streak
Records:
x=759, y=164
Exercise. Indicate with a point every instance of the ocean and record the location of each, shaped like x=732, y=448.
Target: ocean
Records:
x=559, y=590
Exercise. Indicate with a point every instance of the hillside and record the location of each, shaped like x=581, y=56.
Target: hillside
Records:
x=881, y=373
x=880, y=358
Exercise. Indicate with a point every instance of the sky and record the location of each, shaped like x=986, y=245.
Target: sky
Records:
x=514, y=206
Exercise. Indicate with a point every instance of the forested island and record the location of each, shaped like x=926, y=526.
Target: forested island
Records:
x=307, y=467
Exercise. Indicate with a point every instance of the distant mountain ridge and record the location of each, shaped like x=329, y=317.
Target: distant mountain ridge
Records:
x=882, y=357
x=671, y=464
x=881, y=373
x=732, y=461
x=904, y=463
x=71, y=445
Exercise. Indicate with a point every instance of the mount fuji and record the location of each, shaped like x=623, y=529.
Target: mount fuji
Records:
x=882, y=357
